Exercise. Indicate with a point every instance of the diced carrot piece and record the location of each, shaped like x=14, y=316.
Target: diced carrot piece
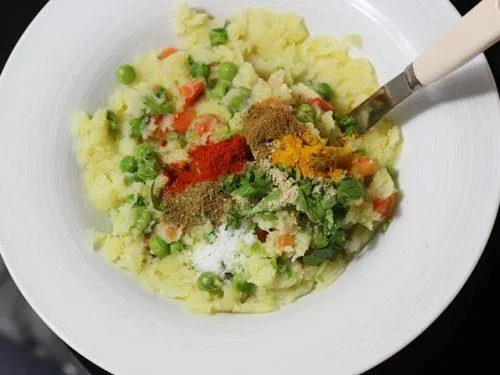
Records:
x=321, y=104
x=286, y=240
x=171, y=232
x=205, y=123
x=363, y=166
x=385, y=206
x=159, y=133
x=273, y=101
x=192, y=91
x=181, y=121
x=167, y=52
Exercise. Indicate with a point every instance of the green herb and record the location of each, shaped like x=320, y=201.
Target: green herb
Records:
x=156, y=197
x=234, y=220
x=135, y=200
x=269, y=216
x=156, y=106
x=218, y=36
x=209, y=237
x=113, y=121
x=198, y=69
x=142, y=220
x=393, y=173
x=350, y=189
x=385, y=225
x=136, y=127
x=289, y=272
x=335, y=245
x=253, y=184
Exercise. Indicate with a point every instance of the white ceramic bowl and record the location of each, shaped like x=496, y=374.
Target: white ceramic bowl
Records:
x=450, y=175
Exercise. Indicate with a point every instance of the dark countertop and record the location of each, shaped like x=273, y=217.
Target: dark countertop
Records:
x=459, y=340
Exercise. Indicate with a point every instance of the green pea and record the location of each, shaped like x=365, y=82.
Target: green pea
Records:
x=176, y=247
x=324, y=90
x=159, y=247
x=237, y=101
x=217, y=36
x=227, y=71
x=142, y=220
x=221, y=89
x=241, y=284
x=145, y=172
x=306, y=113
x=136, y=127
x=126, y=74
x=209, y=282
x=128, y=164
x=146, y=153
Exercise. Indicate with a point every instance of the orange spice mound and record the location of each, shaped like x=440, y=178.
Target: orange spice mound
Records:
x=313, y=158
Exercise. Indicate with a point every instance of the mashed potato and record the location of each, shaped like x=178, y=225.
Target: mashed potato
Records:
x=276, y=59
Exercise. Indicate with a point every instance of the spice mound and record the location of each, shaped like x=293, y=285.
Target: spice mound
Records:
x=208, y=163
x=264, y=123
x=199, y=202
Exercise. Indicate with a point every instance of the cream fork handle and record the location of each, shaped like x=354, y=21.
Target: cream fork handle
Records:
x=476, y=31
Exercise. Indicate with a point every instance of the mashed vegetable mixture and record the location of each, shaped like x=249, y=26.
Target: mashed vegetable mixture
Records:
x=231, y=175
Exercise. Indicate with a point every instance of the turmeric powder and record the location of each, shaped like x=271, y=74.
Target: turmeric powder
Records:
x=313, y=158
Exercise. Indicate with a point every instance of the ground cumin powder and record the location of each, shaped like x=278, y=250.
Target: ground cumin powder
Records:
x=201, y=201
x=263, y=123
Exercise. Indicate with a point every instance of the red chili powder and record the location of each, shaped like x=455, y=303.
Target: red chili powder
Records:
x=208, y=163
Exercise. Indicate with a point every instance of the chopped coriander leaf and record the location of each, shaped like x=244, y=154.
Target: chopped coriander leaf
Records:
x=209, y=237
x=269, y=216
x=156, y=107
x=393, y=172
x=218, y=36
x=136, y=128
x=335, y=245
x=350, y=189
x=113, y=121
x=385, y=225
x=142, y=220
x=135, y=200
x=198, y=69
x=234, y=220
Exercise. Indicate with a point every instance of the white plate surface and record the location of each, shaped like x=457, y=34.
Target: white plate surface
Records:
x=450, y=175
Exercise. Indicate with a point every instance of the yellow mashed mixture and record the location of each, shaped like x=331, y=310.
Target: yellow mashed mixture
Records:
x=276, y=58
